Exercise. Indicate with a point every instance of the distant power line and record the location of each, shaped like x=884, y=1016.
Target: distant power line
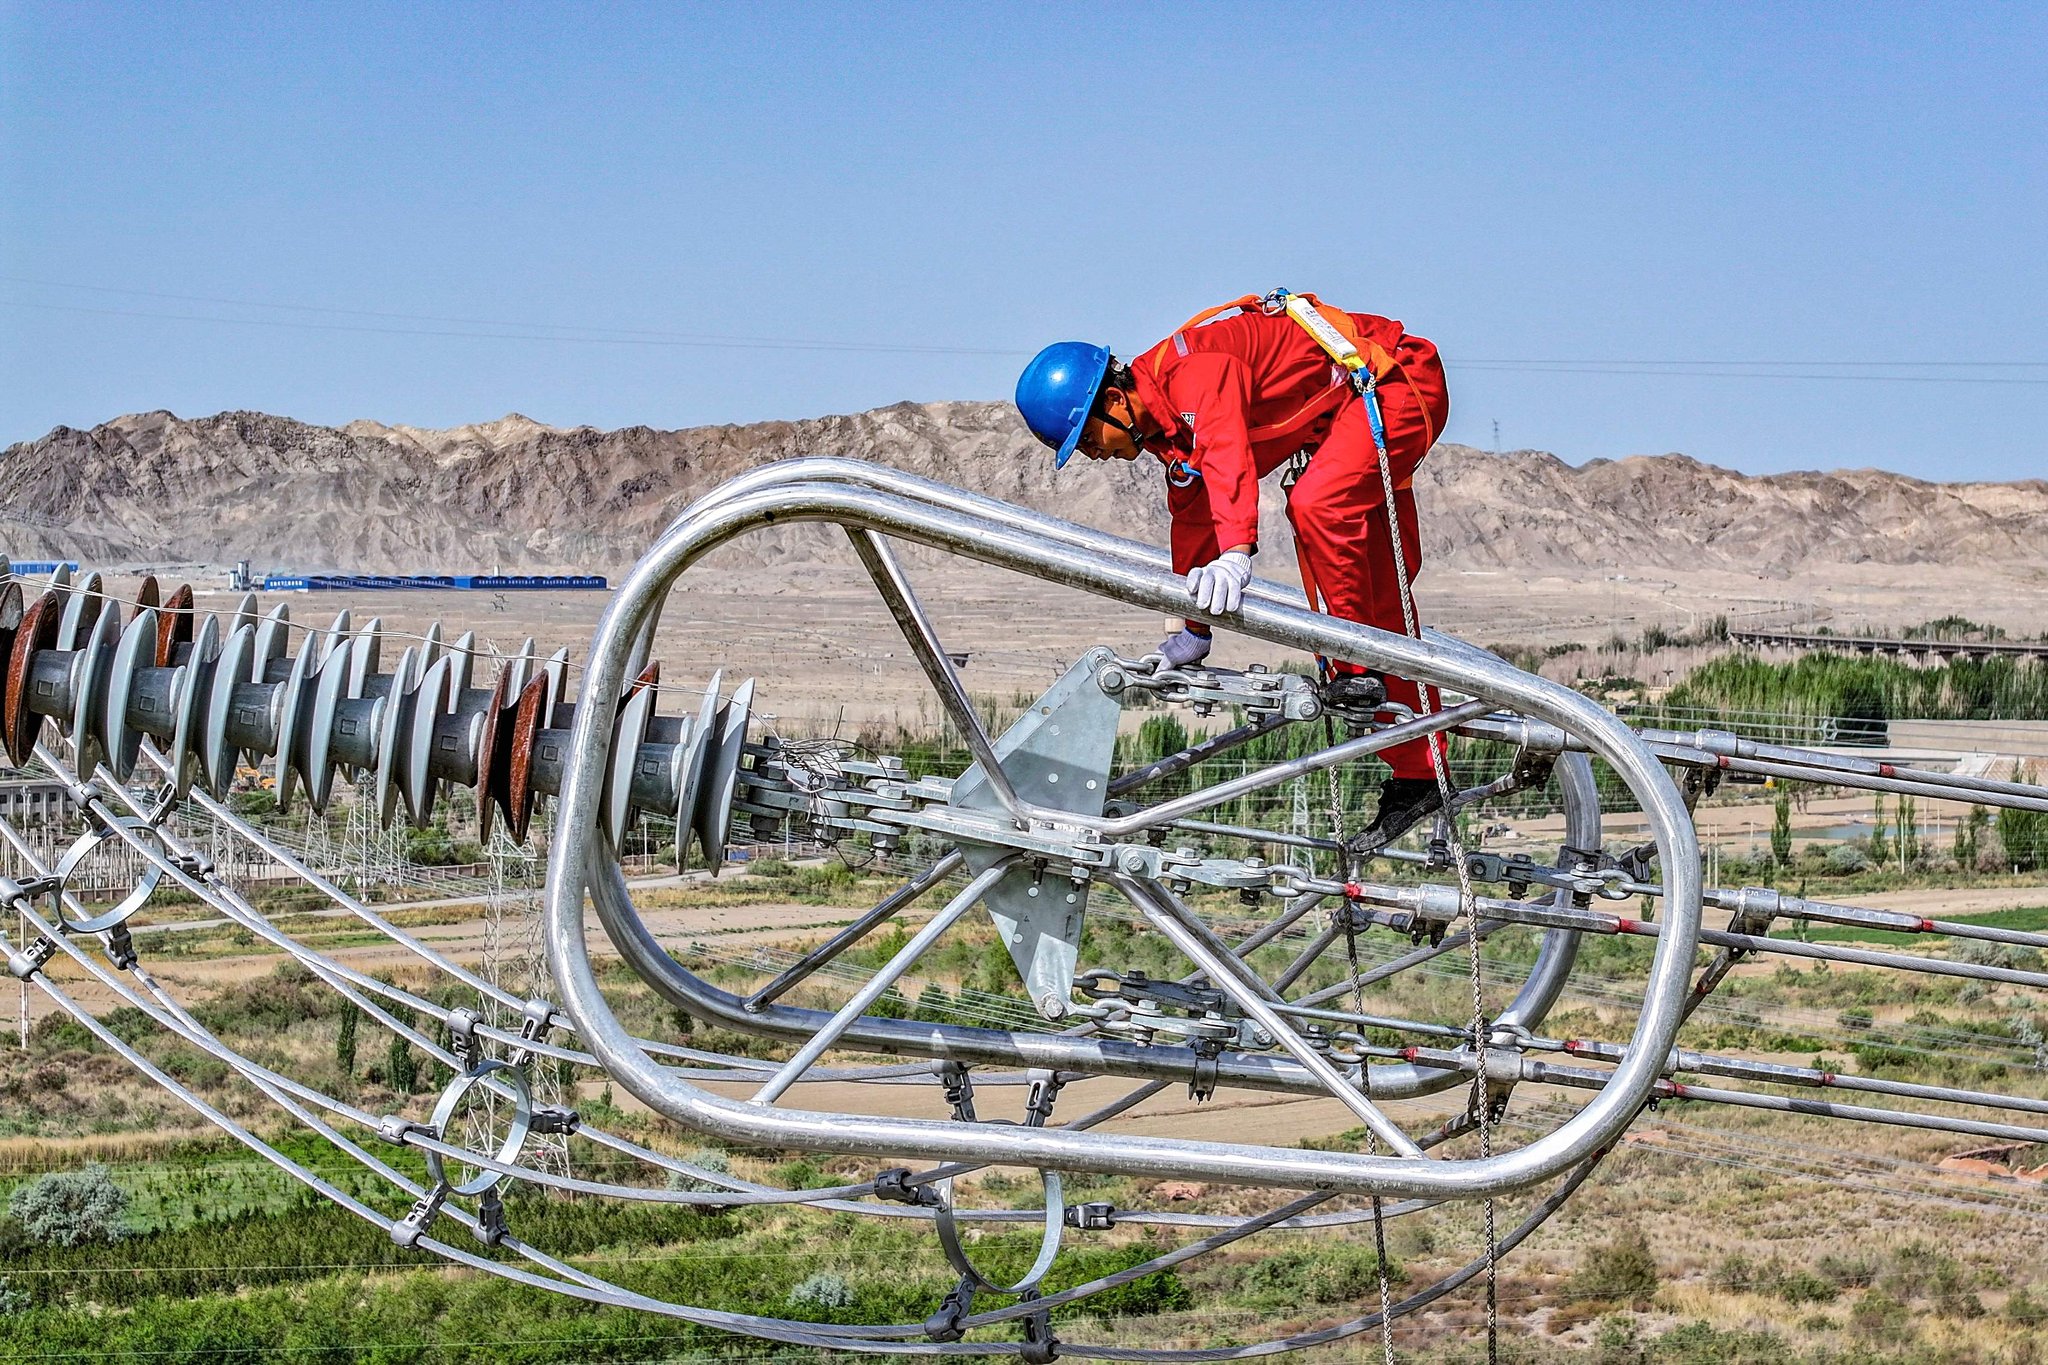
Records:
x=1907, y=371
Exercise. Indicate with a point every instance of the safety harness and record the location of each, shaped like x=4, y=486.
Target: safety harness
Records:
x=1358, y=365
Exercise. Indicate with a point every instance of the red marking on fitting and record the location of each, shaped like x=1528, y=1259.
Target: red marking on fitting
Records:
x=1887, y=770
x=1827, y=1078
x=1677, y=1090
x=1721, y=761
x=1624, y=926
x=1926, y=926
x=1410, y=1053
x=1354, y=891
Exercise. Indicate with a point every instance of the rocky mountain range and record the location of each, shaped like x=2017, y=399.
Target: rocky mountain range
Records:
x=516, y=495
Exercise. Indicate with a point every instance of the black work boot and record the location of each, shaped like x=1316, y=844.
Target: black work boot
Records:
x=1404, y=803
x=1355, y=692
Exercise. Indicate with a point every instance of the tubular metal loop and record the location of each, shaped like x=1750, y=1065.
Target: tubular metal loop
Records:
x=1048, y=1246
x=515, y=1136
x=80, y=850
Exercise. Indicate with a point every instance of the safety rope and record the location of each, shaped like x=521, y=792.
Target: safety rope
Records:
x=1372, y=1146
x=1368, y=392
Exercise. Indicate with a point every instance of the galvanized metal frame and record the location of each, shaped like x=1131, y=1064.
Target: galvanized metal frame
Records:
x=1059, y=552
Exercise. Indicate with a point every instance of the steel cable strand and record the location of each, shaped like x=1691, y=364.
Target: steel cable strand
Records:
x=737, y=1192
x=172, y=1019
x=1239, y=1230
x=772, y=1329
x=256, y=839
x=1537, y=1216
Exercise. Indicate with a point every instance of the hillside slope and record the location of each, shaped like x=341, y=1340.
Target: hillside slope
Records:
x=515, y=494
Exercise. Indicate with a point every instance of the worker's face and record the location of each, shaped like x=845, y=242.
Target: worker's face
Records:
x=1107, y=435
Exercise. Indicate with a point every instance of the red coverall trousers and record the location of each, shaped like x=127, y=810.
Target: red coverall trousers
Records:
x=1338, y=511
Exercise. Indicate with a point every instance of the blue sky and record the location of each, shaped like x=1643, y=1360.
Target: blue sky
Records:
x=439, y=214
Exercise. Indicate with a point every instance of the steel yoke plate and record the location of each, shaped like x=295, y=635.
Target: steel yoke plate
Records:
x=1058, y=756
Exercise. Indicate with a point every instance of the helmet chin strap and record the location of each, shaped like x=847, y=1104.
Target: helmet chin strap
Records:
x=1129, y=429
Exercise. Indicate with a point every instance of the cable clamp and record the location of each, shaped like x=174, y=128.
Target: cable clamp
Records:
x=120, y=948
x=959, y=1090
x=549, y=1118
x=1039, y=1098
x=26, y=962
x=11, y=890
x=536, y=1019
x=945, y=1325
x=1095, y=1217
x=895, y=1187
x=1041, y=1347
x=490, y=1219
x=407, y=1231
x=462, y=1040
x=398, y=1130
x=1202, y=1084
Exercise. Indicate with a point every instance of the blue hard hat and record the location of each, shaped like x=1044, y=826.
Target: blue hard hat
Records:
x=1057, y=390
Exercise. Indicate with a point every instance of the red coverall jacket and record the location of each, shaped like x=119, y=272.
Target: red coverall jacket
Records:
x=1236, y=398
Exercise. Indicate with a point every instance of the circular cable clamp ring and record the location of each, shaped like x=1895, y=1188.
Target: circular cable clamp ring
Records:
x=129, y=904
x=1048, y=1246
x=515, y=1137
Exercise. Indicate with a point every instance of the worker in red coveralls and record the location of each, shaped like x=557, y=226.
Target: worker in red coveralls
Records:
x=1222, y=405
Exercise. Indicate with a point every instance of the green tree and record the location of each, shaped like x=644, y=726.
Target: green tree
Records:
x=1970, y=837
x=2023, y=834
x=1909, y=832
x=1781, y=830
x=345, y=1040
x=401, y=1068
x=1880, y=836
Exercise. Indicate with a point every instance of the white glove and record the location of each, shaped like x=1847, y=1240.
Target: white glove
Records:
x=1218, y=586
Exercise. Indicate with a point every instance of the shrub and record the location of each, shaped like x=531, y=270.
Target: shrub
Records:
x=708, y=1158
x=822, y=1290
x=1846, y=1272
x=1986, y=954
x=1878, y=1317
x=1803, y=1286
x=72, y=1208
x=1619, y=1342
x=1337, y=1273
x=1846, y=859
x=1622, y=1270
x=345, y=1041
